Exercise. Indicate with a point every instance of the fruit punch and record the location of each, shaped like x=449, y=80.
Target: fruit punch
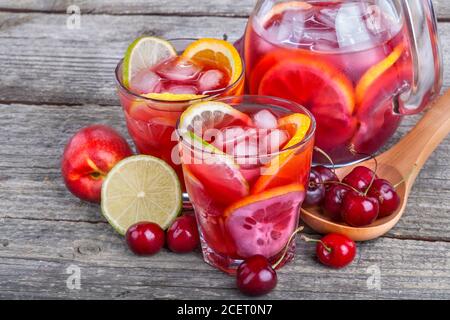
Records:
x=343, y=60
x=246, y=164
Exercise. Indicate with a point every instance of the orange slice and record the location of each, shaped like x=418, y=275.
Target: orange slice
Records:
x=376, y=71
x=216, y=53
x=281, y=168
x=319, y=86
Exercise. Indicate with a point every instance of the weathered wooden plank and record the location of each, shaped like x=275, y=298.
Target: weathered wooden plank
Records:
x=232, y=8
x=45, y=62
x=34, y=257
x=33, y=138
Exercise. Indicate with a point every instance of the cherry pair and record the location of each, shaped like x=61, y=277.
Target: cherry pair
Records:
x=256, y=276
x=358, y=200
x=147, y=238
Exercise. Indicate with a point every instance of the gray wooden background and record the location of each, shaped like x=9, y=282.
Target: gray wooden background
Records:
x=55, y=80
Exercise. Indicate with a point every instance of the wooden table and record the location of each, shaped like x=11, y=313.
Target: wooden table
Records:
x=55, y=80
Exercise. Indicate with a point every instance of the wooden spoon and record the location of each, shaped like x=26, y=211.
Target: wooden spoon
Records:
x=402, y=162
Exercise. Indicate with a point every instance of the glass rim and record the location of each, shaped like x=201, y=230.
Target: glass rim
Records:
x=308, y=137
x=215, y=94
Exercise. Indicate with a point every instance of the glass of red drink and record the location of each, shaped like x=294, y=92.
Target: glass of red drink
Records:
x=151, y=118
x=246, y=162
x=358, y=66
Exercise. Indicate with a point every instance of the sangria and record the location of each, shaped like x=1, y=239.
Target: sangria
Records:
x=351, y=63
x=246, y=163
x=158, y=79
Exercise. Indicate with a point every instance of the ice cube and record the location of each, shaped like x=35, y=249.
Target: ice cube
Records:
x=321, y=39
x=145, y=81
x=326, y=17
x=227, y=138
x=351, y=29
x=180, y=89
x=382, y=18
x=246, y=152
x=280, y=33
x=274, y=140
x=211, y=80
x=178, y=70
x=265, y=119
x=246, y=148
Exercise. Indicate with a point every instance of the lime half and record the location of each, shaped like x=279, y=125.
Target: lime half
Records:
x=145, y=52
x=141, y=188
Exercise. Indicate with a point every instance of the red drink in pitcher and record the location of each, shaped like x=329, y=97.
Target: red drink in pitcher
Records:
x=346, y=61
x=246, y=162
x=158, y=80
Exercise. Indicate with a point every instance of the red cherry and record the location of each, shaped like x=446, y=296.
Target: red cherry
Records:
x=333, y=201
x=336, y=250
x=359, y=210
x=316, y=190
x=145, y=238
x=327, y=175
x=360, y=178
x=183, y=236
x=385, y=193
x=255, y=276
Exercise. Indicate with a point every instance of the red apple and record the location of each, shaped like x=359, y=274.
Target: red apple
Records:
x=88, y=157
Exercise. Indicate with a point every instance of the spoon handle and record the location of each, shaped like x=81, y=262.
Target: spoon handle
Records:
x=417, y=146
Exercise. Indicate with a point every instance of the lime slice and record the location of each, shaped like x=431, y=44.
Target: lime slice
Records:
x=143, y=53
x=141, y=188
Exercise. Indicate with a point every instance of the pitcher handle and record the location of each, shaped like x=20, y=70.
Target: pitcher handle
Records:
x=426, y=84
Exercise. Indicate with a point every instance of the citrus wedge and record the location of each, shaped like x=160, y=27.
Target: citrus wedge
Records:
x=141, y=188
x=283, y=167
x=165, y=96
x=376, y=117
x=263, y=223
x=322, y=88
x=376, y=71
x=143, y=53
x=215, y=170
x=216, y=53
x=211, y=114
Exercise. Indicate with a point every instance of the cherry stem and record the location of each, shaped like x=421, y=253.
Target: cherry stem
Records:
x=398, y=184
x=374, y=175
x=353, y=151
x=339, y=183
x=323, y=153
x=306, y=239
x=286, y=249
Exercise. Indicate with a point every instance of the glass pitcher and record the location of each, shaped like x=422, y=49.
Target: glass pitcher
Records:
x=358, y=66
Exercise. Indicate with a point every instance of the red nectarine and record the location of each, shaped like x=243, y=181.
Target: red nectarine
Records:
x=88, y=157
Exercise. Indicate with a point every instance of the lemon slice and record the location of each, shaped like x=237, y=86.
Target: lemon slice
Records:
x=211, y=114
x=143, y=53
x=141, y=188
x=217, y=53
x=165, y=96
